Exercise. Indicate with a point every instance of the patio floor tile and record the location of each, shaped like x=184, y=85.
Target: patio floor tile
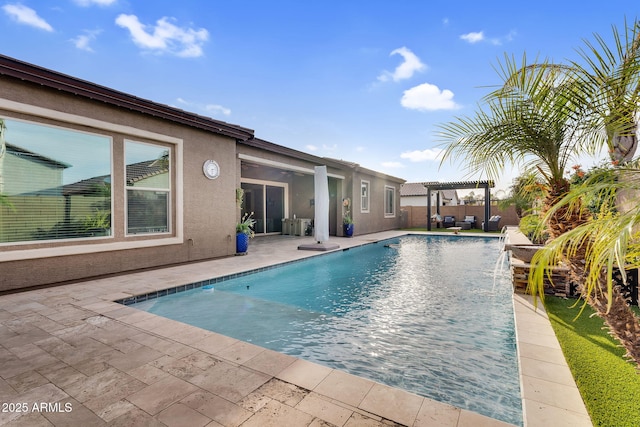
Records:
x=281, y=391
x=179, y=415
x=546, y=371
x=436, y=414
x=270, y=362
x=276, y=414
x=541, y=415
x=213, y=343
x=473, y=419
x=230, y=382
x=77, y=416
x=240, y=352
x=98, y=384
x=392, y=403
x=552, y=394
x=344, y=387
x=217, y=408
x=136, y=417
x=135, y=358
x=322, y=408
x=304, y=374
x=161, y=394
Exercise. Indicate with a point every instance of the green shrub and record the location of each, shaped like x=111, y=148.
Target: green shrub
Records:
x=531, y=226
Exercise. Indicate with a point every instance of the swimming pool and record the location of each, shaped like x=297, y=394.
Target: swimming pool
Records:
x=424, y=315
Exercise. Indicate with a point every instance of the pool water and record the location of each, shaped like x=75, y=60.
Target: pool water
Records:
x=426, y=314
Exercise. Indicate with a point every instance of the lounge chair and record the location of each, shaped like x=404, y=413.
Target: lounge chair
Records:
x=471, y=219
x=493, y=224
x=449, y=221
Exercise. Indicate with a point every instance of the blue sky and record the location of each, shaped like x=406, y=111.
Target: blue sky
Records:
x=363, y=81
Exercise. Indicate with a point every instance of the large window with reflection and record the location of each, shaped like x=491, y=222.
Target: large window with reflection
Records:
x=55, y=183
x=148, y=187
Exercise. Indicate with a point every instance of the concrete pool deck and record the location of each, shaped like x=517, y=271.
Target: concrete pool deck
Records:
x=70, y=356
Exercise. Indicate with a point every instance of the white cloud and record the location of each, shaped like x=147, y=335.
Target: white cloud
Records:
x=25, y=15
x=407, y=69
x=213, y=109
x=480, y=37
x=165, y=36
x=83, y=40
x=217, y=109
x=392, y=165
x=428, y=97
x=87, y=3
x=311, y=147
x=473, y=37
x=422, y=155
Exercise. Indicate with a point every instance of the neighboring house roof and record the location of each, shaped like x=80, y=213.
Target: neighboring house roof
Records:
x=414, y=189
x=30, y=155
x=62, y=82
x=449, y=194
x=142, y=170
x=86, y=186
x=135, y=172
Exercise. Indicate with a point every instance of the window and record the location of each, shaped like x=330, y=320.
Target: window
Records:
x=55, y=183
x=389, y=201
x=148, y=187
x=364, y=196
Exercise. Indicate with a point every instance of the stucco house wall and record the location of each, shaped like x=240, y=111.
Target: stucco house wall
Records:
x=345, y=180
x=375, y=219
x=202, y=212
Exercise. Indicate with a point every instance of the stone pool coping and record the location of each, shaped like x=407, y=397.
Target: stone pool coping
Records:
x=114, y=364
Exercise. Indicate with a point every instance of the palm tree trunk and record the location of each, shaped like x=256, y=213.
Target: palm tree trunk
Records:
x=623, y=324
x=566, y=217
x=624, y=146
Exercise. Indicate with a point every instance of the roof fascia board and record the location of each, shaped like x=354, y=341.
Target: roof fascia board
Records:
x=282, y=165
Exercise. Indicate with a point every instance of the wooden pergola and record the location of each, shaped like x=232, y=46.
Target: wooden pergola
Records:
x=462, y=185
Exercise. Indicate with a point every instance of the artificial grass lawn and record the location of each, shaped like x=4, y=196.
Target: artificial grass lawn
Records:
x=610, y=386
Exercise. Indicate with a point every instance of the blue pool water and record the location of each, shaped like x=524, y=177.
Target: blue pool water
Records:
x=427, y=315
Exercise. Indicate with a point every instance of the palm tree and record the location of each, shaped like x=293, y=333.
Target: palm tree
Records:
x=608, y=85
x=608, y=242
x=530, y=121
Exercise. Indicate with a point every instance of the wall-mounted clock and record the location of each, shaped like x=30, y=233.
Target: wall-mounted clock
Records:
x=211, y=169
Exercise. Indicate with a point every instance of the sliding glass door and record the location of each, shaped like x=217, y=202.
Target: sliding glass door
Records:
x=267, y=201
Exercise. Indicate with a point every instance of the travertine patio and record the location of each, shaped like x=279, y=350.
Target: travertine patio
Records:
x=70, y=356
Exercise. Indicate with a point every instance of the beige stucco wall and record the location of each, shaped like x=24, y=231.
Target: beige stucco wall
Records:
x=374, y=220
x=207, y=207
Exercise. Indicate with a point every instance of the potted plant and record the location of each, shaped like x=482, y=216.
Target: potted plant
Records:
x=347, y=221
x=244, y=232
